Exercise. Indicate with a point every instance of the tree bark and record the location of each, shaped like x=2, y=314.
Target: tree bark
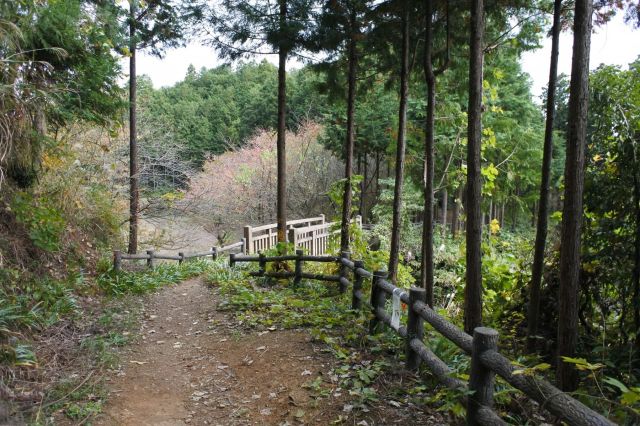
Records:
x=282, y=128
x=377, y=174
x=394, y=254
x=350, y=142
x=473, y=287
x=566, y=374
x=445, y=207
x=426, y=276
x=455, y=220
x=134, y=195
x=635, y=278
x=543, y=206
x=365, y=186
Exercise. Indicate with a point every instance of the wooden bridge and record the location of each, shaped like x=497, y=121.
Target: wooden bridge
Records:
x=311, y=235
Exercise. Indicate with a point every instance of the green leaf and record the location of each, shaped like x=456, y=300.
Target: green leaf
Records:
x=617, y=383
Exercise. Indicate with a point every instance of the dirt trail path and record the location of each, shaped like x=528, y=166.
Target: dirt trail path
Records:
x=192, y=365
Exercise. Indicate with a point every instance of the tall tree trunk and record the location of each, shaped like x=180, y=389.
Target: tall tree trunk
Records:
x=473, y=287
x=455, y=220
x=636, y=269
x=377, y=174
x=349, y=145
x=445, y=207
x=426, y=276
x=134, y=195
x=365, y=187
x=394, y=254
x=282, y=128
x=543, y=207
x=566, y=374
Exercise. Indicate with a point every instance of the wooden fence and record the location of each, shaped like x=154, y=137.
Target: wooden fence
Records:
x=151, y=256
x=486, y=361
x=311, y=234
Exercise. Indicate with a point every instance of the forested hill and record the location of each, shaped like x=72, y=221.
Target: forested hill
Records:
x=212, y=110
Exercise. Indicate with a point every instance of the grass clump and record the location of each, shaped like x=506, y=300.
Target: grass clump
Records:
x=141, y=282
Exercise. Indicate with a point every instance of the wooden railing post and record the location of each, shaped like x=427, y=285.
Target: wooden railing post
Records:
x=214, y=253
x=312, y=244
x=248, y=240
x=321, y=218
x=117, y=260
x=298, y=271
x=359, y=221
x=150, y=259
x=181, y=256
x=356, y=302
x=243, y=248
x=415, y=327
x=378, y=300
x=232, y=260
x=344, y=271
x=262, y=263
x=481, y=379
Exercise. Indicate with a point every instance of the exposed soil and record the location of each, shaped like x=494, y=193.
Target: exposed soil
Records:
x=192, y=365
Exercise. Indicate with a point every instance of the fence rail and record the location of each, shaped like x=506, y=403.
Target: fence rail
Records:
x=311, y=234
x=151, y=256
x=486, y=361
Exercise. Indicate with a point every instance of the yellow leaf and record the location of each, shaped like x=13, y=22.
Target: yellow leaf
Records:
x=494, y=226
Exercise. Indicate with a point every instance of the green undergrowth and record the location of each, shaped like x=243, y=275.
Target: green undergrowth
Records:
x=81, y=395
x=147, y=280
x=368, y=368
x=29, y=306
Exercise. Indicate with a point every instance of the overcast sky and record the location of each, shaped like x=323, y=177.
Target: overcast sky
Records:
x=617, y=43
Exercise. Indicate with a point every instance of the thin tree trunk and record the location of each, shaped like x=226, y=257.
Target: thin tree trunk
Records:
x=445, y=206
x=282, y=128
x=134, y=195
x=455, y=220
x=636, y=270
x=377, y=174
x=543, y=207
x=426, y=276
x=365, y=186
x=566, y=374
x=348, y=170
x=473, y=287
x=394, y=254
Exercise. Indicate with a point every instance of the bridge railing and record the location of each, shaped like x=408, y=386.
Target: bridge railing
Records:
x=311, y=234
x=486, y=361
x=264, y=237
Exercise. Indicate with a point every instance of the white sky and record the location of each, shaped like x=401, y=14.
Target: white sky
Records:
x=616, y=43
